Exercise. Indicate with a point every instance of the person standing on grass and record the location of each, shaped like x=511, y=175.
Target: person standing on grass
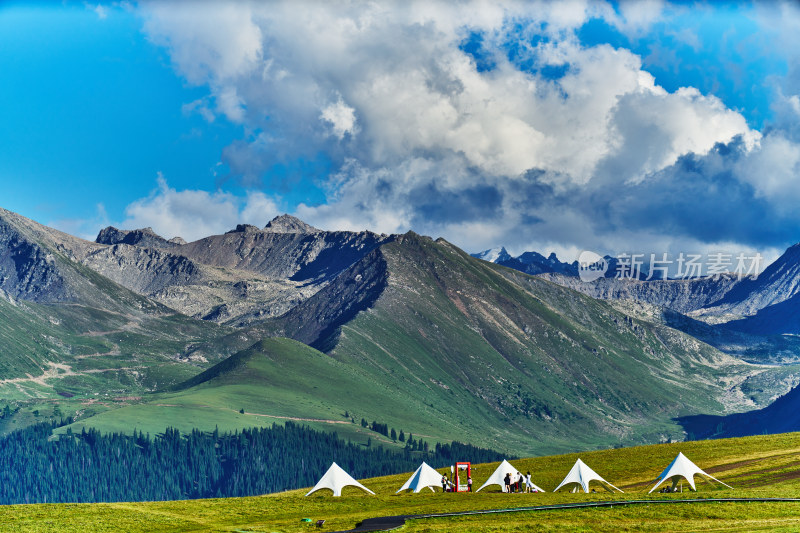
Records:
x=444, y=483
x=528, y=482
x=469, y=484
x=507, y=481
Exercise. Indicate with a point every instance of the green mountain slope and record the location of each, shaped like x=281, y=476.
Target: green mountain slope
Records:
x=73, y=342
x=274, y=380
x=415, y=334
x=425, y=338
x=519, y=363
x=75, y=359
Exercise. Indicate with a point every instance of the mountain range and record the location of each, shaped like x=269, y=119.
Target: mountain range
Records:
x=287, y=321
x=744, y=303
x=753, y=317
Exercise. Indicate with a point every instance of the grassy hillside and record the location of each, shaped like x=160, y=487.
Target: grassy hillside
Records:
x=429, y=340
x=763, y=466
x=505, y=360
x=274, y=380
x=79, y=360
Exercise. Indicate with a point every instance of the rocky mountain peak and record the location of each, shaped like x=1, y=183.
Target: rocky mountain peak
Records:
x=779, y=282
x=289, y=224
x=138, y=237
x=244, y=228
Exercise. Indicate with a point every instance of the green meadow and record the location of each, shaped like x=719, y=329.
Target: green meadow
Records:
x=757, y=467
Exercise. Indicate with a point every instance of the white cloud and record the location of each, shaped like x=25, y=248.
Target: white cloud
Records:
x=194, y=214
x=656, y=127
x=341, y=117
x=230, y=104
x=207, y=40
x=774, y=172
x=637, y=16
x=400, y=71
x=258, y=209
x=199, y=106
x=435, y=143
x=209, y=43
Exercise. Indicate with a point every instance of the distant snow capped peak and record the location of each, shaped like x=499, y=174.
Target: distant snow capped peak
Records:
x=494, y=255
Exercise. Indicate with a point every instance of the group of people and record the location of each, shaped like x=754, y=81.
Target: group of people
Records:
x=447, y=485
x=516, y=482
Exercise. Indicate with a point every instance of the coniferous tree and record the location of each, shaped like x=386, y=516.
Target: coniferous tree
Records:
x=91, y=467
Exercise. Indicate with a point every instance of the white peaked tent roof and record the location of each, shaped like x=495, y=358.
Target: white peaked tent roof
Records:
x=581, y=475
x=498, y=477
x=424, y=476
x=683, y=467
x=336, y=479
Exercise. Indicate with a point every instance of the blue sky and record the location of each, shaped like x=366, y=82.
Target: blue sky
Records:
x=91, y=111
x=645, y=126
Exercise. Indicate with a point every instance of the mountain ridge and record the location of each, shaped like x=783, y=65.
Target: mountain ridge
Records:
x=433, y=339
x=741, y=303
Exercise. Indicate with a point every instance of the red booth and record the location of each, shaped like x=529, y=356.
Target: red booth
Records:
x=462, y=473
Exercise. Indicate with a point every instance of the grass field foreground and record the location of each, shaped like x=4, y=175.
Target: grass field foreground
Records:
x=760, y=467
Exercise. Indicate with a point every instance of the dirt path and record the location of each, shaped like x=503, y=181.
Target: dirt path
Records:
x=59, y=371
x=295, y=418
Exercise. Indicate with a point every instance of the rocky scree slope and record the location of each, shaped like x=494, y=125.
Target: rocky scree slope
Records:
x=241, y=277
x=67, y=331
x=139, y=237
x=683, y=296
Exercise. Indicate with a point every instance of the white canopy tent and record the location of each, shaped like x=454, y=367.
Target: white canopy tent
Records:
x=682, y=467
x=336, y=479
x=580, y=476
x=424, y=476
x=497, y=478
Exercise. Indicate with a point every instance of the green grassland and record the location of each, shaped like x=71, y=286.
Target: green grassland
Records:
x=274, y=380
x=763, y=466
x=79, y=360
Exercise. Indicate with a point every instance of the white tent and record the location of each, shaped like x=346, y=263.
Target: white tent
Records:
x=580, y=476
x=424, y=476
x=336, y=479
x=498, y=477
x=682, y=467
